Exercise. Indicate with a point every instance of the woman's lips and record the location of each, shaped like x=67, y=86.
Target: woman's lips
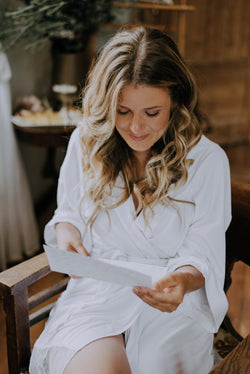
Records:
x=138, y=138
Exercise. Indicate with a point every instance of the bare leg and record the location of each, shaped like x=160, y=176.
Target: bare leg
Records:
x=106, y=356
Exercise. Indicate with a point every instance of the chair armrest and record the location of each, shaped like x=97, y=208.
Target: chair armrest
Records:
x=26, y=272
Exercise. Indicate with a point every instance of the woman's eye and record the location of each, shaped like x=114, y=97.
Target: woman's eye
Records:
x=152, y=114
x=123, y=112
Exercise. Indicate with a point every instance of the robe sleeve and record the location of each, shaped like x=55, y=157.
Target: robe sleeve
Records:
x=68, y=192
x=204, y=243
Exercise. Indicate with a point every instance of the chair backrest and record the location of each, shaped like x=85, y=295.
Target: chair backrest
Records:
x=15, y=282
x=238, y=233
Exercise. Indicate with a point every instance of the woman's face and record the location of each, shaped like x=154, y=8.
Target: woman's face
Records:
x=142, y=116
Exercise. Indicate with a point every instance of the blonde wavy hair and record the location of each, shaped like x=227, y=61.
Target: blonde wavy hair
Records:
x=142, y=56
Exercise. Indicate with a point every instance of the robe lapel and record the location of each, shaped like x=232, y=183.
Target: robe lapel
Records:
x=137, y=233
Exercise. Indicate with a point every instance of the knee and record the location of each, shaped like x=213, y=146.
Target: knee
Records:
x=158, y=362
x=81, y=370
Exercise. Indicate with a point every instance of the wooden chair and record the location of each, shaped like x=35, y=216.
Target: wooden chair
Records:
x=238, y=233
x=16, y=281
x=237, y=361
x=15, y=286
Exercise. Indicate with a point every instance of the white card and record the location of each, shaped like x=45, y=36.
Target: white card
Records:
x=119, y=272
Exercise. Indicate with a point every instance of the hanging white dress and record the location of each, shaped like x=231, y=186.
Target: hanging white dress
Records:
x=184, y=234
x=18, y=227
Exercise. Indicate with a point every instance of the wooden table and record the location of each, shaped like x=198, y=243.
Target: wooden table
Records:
x=44, y=136
x=49, y=137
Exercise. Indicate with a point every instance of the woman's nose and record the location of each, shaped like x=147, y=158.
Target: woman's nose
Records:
x=137, y=125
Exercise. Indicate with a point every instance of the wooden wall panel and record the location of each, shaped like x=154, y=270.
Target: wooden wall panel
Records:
x=217, y=46
x=224, y=95
x=218, y=31
x=218, y=50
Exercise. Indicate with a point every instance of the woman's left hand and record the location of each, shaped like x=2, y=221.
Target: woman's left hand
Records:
x=167, y=294
x=170, y=290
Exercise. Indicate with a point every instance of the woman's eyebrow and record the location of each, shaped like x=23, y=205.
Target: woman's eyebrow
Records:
x=155, y=107
x=147, y=108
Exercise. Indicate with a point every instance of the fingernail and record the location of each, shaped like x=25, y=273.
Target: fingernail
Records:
x=137, y=290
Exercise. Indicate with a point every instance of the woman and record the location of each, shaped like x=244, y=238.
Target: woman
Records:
x=140, y=183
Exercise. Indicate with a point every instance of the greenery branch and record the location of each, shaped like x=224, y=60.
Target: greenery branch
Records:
x=67, y=23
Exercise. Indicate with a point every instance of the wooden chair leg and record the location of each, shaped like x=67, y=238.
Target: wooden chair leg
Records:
x=14, y=283
x=17, y=327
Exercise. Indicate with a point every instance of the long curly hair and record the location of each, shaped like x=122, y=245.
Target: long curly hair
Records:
x=142, y=56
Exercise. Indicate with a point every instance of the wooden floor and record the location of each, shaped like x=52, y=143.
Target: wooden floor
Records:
x=239, y=292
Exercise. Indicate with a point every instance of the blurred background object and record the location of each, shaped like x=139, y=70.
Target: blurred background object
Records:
x=19, y=236
x=67, y=24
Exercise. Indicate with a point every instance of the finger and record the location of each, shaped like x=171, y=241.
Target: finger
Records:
x=170, y=281
x=74, y=277
x=146, y=293
x=161, y=304
x=78, y=247
x=160, y=300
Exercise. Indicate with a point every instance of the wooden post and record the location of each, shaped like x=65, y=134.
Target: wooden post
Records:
x=17, y=326
x=182, y=29
x=14, y=284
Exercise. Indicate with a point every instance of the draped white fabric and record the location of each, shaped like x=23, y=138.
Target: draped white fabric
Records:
x=18, y=226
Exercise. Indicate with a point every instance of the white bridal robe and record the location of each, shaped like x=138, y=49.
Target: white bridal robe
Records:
x=156, y=342
x=18, y=227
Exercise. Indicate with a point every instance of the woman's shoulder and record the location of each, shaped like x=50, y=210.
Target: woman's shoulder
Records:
x=207, y=149
x=74, y=147
x=75, y=135
x=74, y=140
x=209, y=160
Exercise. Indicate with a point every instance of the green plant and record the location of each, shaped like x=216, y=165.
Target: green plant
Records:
x=67, y=23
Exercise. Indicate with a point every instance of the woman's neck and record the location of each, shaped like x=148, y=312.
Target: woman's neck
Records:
x=141, y=159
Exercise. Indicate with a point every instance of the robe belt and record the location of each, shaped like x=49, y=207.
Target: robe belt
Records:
x=112, y=255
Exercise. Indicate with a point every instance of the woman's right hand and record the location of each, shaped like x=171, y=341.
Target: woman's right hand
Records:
x=69, y=238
